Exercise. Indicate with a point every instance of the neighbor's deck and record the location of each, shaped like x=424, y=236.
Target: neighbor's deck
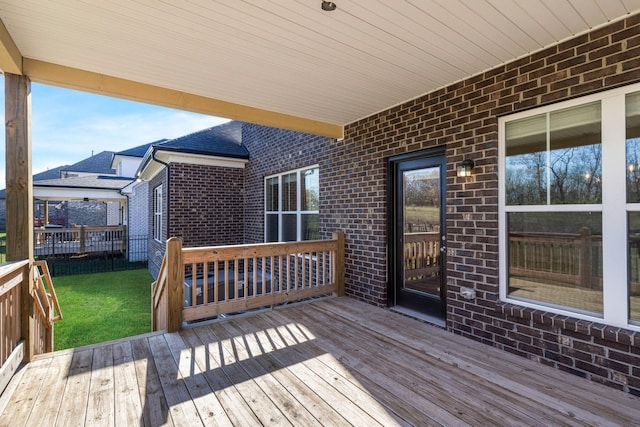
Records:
x=330, y=362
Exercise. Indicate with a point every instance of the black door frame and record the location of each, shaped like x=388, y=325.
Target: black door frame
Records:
x=436, y=307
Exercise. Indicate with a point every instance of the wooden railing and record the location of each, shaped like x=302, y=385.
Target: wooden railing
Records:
x=27, y=314
x=46, y=307
x=421, y=255
x=79, y=240
x=159, y=300
x=201, y=283
x=567, y=258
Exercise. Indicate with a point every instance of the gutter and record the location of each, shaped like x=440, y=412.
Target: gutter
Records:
x=168, y=176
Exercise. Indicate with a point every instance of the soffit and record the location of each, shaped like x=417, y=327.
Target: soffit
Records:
x=290, y=57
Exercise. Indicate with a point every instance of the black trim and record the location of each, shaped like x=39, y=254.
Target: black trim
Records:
x=393, y=163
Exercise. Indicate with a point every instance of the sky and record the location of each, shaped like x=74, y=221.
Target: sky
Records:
x=68, y=126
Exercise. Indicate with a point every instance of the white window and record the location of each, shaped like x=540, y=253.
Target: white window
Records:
x=157, y=213
x=291, y=205
x=569, y=232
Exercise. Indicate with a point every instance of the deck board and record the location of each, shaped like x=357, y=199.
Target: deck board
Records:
x=73, y=405
x=330, y=362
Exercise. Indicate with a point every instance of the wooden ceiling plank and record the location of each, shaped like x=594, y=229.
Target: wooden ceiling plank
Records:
x=73, y=78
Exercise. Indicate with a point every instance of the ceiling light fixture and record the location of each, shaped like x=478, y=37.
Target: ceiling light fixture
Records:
x=328, y=6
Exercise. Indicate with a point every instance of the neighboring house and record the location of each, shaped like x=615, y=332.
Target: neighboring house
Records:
x=57, y=216
x=85, y=193
x=126, y=163
x=514, y=178
x=196, y=189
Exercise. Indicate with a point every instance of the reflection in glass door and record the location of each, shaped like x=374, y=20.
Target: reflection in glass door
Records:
x=418, y=239
x=421, y=230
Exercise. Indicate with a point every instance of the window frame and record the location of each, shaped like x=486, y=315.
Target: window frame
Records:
x=614, y=208
x=298, y=212
x=157, y=213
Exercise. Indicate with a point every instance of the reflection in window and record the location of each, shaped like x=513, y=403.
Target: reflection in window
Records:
x=632, y=104
x=556, y=258
x=157, y=213
x=291, y=206
x=310, y=189
x=633, y=147
x=289, y=192
x=272, y=194
x=634, y=265
x=555, y=158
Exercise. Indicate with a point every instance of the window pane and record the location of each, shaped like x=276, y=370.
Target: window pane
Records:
x=289, y=192
x=556, y=258
x=634, y=265
x=526, y=161
x=289, y=228
x=575, y=158
x=310, y=189
x=271, y=195
x=633, y=147
x=310, y=227
x=272, y=227
x=555, y=158
x=157, y=214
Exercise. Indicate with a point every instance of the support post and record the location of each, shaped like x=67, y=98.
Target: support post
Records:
x=339, y=279
x=83, y=239
x=19, y=195
x=175, y=284
x=46, y=212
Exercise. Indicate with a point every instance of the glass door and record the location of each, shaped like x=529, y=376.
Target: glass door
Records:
x=419, y=242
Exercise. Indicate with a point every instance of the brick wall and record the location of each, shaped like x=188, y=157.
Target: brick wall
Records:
x=138, y=222
x=274, y=151
x=464, y=118
x=206, y=204
x=87, y=213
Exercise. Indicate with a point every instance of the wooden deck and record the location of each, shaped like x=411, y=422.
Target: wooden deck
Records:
x=331, y=362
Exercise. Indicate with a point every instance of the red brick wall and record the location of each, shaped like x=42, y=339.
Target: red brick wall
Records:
x=206, y=204
x=464, y=118
x=275, y=151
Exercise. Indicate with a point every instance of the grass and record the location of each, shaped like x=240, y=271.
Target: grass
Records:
x=102, y=307
x=422, y=215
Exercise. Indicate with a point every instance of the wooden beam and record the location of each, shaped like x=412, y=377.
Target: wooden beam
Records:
x=10, y=56
x=73, y=78
x=19, y=195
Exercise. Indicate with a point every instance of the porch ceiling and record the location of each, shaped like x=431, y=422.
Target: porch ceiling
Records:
x=283, y=62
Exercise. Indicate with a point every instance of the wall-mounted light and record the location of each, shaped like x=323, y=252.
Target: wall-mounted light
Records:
x=464, y=168
x=328, y=6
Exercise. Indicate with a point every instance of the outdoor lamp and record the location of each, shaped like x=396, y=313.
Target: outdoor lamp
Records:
x=464, y=167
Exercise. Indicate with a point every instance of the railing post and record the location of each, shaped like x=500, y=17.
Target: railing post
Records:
x=175, y=284
x=339, y=263
x=585, y=257
x=83, y=240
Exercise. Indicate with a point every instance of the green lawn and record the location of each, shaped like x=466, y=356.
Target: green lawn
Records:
x=101, y=307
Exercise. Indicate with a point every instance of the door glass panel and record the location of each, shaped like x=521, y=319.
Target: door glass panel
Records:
x=421, y=230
